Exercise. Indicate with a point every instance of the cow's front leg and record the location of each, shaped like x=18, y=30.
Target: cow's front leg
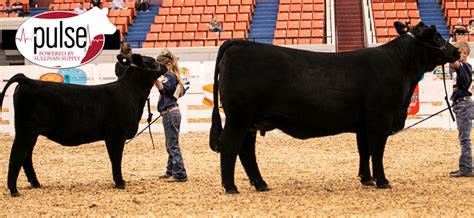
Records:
x=115, y=150
x=231, y=142
x=364, y=161
x=378, y=148
x=29, y=170
x=249, y=161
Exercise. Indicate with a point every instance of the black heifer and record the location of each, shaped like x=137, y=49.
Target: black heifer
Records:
x=74, y=114
x=310, y=94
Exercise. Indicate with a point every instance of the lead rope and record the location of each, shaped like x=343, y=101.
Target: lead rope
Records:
x=150, y=116
x=432, y=115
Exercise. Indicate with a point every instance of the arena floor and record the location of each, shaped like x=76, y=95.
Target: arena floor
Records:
x=307, y=177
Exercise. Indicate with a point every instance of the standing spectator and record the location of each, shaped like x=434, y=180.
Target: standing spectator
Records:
x=6, y=8
x=117, y=4
x=80, y=9
x=214, y=25
x=461, y=98
x=144, y=5
x=95, y=3
x=169, y=110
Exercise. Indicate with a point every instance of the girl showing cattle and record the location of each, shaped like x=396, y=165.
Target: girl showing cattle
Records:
x=170, y=87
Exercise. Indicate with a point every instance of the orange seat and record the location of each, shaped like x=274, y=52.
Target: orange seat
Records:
x=245, y=9
x=210, y=10
x=180, y=27
x=241, y=26
x=172, y=44
x=224, y=2
x=380, y=23
x=167, y=27
x=201, y=35
x=318, y=16
x=211, y=2
x=295, y=16
x=171, y=19
x=280, y=33
x=175, y=11
x=198, y=10
x=285, y=8
x=164, y=36
x=307, y=8
x=160, y=44
x=221, y=9
x=166, y=3
x=160, y=19
x=305, y=24
x=200, y=3
x=230, y=17
x=187, y=10
x=294, y=24
x=278, y=41
x=317, y=24
x=64, y=6
x=183, y=18
x=304, y=33
x=295, y=8
x=184, y=43
x=151, y=36
x=188, y=35
x=121, y=20
x=176, y=36
x=225, y=35
x=113, y=13
x=228, y=26
x=178, y=3
x=194, y=18
x=197, y=43
x=191, y=27
x=206, y=18
x=203, y=27
x=233, y=9
x=154, y=28
x=210, y=43
x=213, y=35
x=164, y=11
x=148, y=44
x=239, y=34
x=318, y=7
x=282, y=25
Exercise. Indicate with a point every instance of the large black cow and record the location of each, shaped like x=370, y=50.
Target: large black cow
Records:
x=310, y=94
x=74, y=114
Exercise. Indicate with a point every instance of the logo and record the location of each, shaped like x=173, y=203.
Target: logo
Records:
x=63, y=39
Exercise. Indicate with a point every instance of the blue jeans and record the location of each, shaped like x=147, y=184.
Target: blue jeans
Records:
x=175, y=166
x=464, y=124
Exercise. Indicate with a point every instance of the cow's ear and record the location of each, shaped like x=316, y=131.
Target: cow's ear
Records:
x=428, y=34
x=401, y=27
x=123, y=59
x=137, y=59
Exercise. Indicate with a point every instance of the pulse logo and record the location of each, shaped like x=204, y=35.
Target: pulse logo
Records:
x=62, y=39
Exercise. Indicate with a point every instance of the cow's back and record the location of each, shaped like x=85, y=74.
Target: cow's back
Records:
x=72, y=114
x=304, y=93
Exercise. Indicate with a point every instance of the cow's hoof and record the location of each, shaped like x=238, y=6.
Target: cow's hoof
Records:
x=231, y=190
x=384, y=186
x=261, y=186
x=35, y=185
x=15, y=194
x=120, y=186
x=369, y=182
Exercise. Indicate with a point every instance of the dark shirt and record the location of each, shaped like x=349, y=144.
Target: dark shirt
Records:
x=463, y=82
x=95, y=4
x=166, y=95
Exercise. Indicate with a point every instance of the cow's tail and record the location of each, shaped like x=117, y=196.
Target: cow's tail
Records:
x=216, y=127
x=17, y=78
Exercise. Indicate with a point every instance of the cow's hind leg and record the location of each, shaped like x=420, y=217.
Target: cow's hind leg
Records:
x=231, y=142
x=364, y=164
x=29, y=170
x=115, y=150
x=249, y=161
x=22, y=145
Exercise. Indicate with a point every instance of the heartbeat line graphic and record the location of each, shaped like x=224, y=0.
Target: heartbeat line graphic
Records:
x=23, y=36
x=89, y=37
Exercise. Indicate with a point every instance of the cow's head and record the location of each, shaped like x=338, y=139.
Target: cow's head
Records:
x=437, y=49
x=142, y=69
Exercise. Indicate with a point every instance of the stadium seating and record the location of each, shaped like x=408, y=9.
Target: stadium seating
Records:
x=185, y=22
x=300, y=22
x=386, y=12
x=458, y=9
x=122, y=18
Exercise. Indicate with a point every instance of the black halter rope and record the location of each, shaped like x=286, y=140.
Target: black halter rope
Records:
x=442, y=49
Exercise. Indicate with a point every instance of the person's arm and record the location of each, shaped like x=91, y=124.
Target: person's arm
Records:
x=464, y=75
x=159, y=85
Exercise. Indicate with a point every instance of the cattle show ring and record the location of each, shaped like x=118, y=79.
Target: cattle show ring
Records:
x=312, y=153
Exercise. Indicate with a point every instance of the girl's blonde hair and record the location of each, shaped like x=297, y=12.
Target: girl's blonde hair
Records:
x=462, y=45
x=167, y=57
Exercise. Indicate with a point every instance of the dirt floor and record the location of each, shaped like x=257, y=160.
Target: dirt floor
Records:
x=307, y=177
